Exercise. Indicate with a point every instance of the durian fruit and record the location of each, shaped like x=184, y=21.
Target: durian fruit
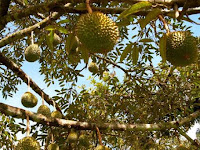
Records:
x=32, y=53
x=83, y=140
x=72, y=137
x=56, y=39
x=181, y=48
x=56, y=114
x=53, y=146
x=93, y=67
x=27, y=143
x=29, y=100
x=97, y=32
x=44, y=110
x=100, y=147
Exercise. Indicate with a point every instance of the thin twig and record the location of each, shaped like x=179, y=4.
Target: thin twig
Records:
x=164, y=22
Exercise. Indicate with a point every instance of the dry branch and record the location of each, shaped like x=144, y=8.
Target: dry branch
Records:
x=21, y=113
x=20, y=73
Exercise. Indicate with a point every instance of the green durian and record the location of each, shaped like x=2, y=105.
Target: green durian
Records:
x=83, y=140
x=97, y=32
x=56, y=114
x=93, y=67
x=181, y=48
x=44, y=110
x=53, y=146
x=100, y=147
x=72, y=137
x=27, y=143
x=32, y=53
x=29, y=100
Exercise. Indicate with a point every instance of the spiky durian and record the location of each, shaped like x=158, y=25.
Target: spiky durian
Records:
x=93, y=67
x=100, y=147
x=44, y=110
x=97, y=32
x=27, y=143
x=32, y=53
x=56, y=114
x=83, y=140
x=29, y=100
x=181, y=48
x=72, y=137
x=53, y=146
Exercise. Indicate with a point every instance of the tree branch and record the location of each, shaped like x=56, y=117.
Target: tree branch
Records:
x=21, y=113
x=20, y=73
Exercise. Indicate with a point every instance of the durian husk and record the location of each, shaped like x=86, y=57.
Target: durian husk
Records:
x=181, y=48
x=97, y=32
x=28, y=143
x=29, y=100
x=72, y=137
x=56, y=114
x=53, y=146
x=32, y=53
x=93, y=67
x=44, y=110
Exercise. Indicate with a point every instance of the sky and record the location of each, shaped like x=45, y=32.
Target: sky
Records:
x=32, y=69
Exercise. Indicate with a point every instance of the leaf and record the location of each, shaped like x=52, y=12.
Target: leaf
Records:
x=135, y=55
x=64, y=21
x=146, y=40
x=62, y=30
x=134, y=9
x=162, y=47
x=81, y=6
x=50, y=28
x=85, y=53
x=125, y=52
x=150, y=16
x=50, y=39
x=69, y=42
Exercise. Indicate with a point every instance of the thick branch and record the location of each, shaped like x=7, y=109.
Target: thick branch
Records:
x=20, y=73
x=21, y=113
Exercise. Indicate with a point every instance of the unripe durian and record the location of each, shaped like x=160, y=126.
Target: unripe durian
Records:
x=27, y=143
x=29, y=100
x=181, y=48
x=100, y=147
x=97, y=32
x=53, y=146
x=72, y=137
x=83, y=140
x=32, y=53
x=44, y=110
x=56, y=114
x=93, y=67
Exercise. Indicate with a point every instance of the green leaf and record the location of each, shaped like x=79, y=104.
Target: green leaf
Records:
x=146, y=40
x=62, y=30
x=162, y=47
x=50, y=28
x=134, y=9
x=125, y=52
x=81, y=6
x=85, y=53
x=50, y=39
x=69, y=42
x=135, y=55
x=64, y=21
x=150, y=16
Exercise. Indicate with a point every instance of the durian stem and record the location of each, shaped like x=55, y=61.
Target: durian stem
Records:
x=89, y=9
x=27, y=126
x=52, y=138
x=32, y=41
x=28, y=88
x=54, y=105
x=42, y=98
x=176, y=11
x=164, y=22
x=99, y=136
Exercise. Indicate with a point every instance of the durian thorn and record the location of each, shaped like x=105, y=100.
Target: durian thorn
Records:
x=99, y=136
x=89, y=9
x=27, y=126
x=164, y=22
